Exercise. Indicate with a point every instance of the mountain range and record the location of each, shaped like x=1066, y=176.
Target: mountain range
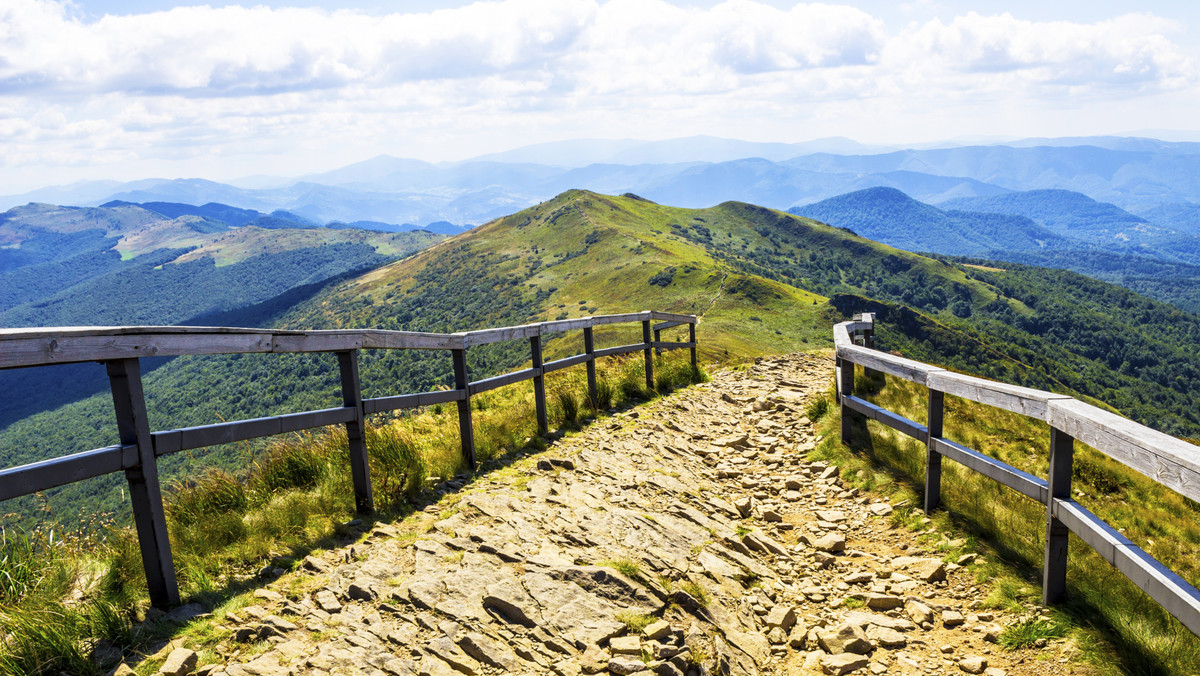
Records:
x=1153, y=179
x=762, y=280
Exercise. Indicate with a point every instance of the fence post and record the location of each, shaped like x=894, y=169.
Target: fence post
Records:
x=692, y=340
x=933, y=459
x=539, y=385
x=657, y=339
x=589, y=348
x=133, y=427
x=845, y=389
x=360, y=467
x=1054, y=571
x=649, y=355
x=461, y=382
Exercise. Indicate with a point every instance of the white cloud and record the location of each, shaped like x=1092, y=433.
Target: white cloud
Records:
x=999, y=52
x=237, y=80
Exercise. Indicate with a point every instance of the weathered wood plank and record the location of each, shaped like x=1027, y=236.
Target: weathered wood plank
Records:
x=1054, y=563
x=462, y=383
x=601, y=320
x=203, y=436
x=841, y=336
x=356, y=441
x=145, y=495
x=501, y=380
x=560, y=325
x=893, y=420
x=411, y=340
x=1022, y=482
x=487, y=336
x=1023, y=400
x=1171, y=591
x=665, y=345
x=1169, y=461
x=935, y=413
x=565, y=362
x=669, y=325
x=539, y=385
x=382, y=404
x=648, y=353
x=620, y=349
x=589, y=350
x=47, y=474
x=907, y=369
x=317, y=341
x=673, y=317
x=67, y=349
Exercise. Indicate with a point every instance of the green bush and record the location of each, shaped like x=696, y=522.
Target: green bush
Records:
x=604, y=394
x=568, y=405
x=397, y=468
x=216, y=492
x=290, y=463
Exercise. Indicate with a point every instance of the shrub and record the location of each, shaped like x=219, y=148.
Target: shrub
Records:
x=568, y=405
x=215, y=492
x=604, y=394
x=397, y=468
x=293, y=462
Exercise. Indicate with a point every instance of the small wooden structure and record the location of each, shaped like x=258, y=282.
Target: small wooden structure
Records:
x=1165, y=459
x=120, y=349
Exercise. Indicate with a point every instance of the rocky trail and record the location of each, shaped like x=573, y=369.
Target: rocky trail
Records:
x=686, y=537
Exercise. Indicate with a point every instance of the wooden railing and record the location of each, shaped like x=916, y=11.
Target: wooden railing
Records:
x=1165, y=459
x=120, y=349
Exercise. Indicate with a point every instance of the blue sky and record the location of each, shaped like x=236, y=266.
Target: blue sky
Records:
x=105, y=89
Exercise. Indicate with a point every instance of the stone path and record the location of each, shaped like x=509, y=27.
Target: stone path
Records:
x=688, y=537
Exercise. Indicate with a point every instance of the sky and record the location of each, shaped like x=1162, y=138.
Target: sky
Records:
x=127, y=89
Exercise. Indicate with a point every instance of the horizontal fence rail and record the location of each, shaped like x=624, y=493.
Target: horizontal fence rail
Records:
x=120, y=349
x=1169, y=461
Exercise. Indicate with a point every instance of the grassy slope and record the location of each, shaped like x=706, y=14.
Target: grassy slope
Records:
x=739, y=266
x=539, y=265
x=506, y=272
x=583, y=253
x=1118, y=628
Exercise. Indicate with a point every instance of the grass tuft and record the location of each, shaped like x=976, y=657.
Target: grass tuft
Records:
x=294, y=497
x=1027, y=633
x=625, y=566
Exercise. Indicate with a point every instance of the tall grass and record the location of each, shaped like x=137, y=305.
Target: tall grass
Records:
x=1119, y=628
x=294, y=497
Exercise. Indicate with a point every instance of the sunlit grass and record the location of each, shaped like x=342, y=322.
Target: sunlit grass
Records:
x=1116, y=626
x=294, y=497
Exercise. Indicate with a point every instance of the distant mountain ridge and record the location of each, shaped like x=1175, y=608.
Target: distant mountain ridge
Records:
x=888, y=215
x=1135, y=174
x=1049, y=228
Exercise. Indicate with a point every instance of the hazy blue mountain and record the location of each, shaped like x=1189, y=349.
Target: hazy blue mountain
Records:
x=892, y=217
x=198, y=191
x=231, y=216
x=1184, y=218
x=584, y=152
x=1137, y=144
x=1136, y=174
x=1166, y=268
x=1068, y=213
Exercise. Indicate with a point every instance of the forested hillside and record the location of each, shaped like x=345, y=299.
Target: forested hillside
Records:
x=758, y=277
x=1048, y=228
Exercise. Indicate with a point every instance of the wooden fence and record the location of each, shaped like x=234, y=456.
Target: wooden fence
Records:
x=1169, y=461
x=120, y=349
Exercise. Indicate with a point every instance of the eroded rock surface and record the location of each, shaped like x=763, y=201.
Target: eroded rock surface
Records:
x=688, y=537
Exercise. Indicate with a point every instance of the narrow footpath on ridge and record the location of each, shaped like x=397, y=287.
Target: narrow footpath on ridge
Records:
x=689, y=536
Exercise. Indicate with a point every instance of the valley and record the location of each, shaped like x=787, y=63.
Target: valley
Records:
x=763, y=281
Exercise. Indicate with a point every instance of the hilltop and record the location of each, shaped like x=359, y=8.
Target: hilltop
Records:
x=762, y=281
x=696, y=538
x=888, y=215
